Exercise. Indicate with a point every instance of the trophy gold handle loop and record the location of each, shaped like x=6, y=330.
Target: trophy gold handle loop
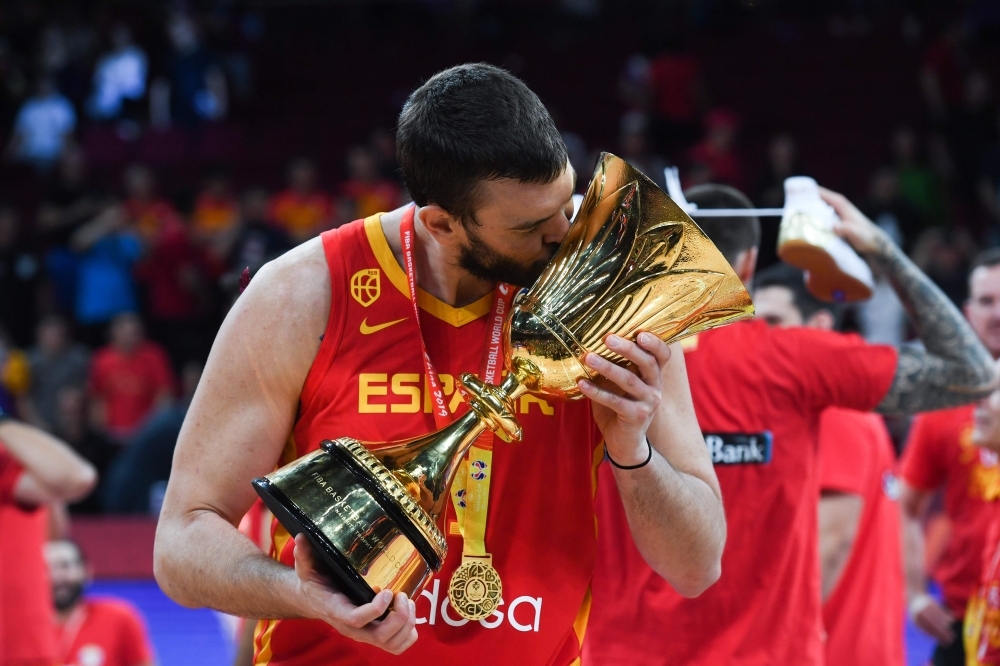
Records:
x=494, y=406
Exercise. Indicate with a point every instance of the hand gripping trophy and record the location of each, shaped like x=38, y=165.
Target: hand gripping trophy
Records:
x=632, y=261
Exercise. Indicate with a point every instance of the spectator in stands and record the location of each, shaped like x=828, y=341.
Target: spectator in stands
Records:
x=782, y=163
x=72, y=425
x=972, y=130
x=677, y=96
x=302, y=210
x=134, y=473
x=15, y=375
x=129, y=379
x=919, y=185
x=715, y=159
x=886, y=208
x=365, y=189
x=943, y=253
x=215, y=215
x=633, y=138
x=70, y=200
x=42, y=128
x=258, y=240
x=383, y=147
x=92, y=631
x=106, y=251
x=56, y=362
x=146, y=213
x=119, y=79
x=36, y=470
x=198, y=85
x=943, y=70
x=67, y=204
x=20, y=271
x=988, y=185
x=178, y=275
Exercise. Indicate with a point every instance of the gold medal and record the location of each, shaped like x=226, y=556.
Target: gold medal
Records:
x=475, y=588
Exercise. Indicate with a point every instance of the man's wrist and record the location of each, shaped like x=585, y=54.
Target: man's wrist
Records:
x=919, y=603
x=884, y=247
x=632, y=455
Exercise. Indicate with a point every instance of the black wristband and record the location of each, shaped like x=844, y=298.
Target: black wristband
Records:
x=642, y=464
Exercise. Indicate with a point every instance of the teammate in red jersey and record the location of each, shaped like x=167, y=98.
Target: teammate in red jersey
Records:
x=109, y=632
x=941, y=455
x=982, y=616
x=859, y=520
x=35, y=470
x=759, y=392
x=324, y=343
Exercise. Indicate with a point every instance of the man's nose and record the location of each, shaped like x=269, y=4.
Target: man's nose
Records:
x=556, y=229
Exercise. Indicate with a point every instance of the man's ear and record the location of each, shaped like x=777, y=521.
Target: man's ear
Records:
x=822, y=319
x=439, y=223
x=745, y=264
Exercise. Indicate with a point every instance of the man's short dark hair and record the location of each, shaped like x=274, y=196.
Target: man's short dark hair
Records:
x=986, y=259
x=732, y=235
x=469, y=123
x=793, y=279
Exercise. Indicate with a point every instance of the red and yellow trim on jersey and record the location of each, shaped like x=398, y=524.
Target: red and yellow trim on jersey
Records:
x=279, y=540
x=430, y=304
x=583, y=615
x=265, y=628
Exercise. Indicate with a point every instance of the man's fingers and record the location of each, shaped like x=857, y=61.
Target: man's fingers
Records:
x=655, y=346
x=400, y=639
x=360, y=616
x=406, y=637
x=630, y=410
x=382, y=631
x=302, y=552
x=645, y=361
x=626, y=380
x=840, y=203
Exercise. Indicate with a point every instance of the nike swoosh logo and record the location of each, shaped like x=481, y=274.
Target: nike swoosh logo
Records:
x=368, y=330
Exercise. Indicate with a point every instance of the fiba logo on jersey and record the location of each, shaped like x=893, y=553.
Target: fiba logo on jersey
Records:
x=478, y=470
x=461, y=497
x=366, y=286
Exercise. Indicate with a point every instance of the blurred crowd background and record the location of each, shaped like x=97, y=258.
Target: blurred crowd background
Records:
x=154, y=150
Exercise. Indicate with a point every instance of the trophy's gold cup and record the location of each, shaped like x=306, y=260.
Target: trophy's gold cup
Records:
x=632, y=261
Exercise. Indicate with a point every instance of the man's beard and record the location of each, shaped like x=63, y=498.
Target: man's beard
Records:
x=490, y=265
x=66, y=596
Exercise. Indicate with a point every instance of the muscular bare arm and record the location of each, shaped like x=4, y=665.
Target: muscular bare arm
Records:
x=839, y=514
x=235, y=430
x=953, y=368
x=673, y=504
x=53, y=472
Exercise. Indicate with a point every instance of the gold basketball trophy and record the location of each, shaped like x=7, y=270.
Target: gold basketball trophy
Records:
x=632, y=261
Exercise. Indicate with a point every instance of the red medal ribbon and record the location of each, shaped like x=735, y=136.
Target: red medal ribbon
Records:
x=502, y=296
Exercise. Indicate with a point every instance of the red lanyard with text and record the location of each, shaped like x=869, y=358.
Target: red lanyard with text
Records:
x=471, y=500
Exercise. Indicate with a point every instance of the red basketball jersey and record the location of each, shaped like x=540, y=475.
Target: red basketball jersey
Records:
x=367, y=382
x=758, y=393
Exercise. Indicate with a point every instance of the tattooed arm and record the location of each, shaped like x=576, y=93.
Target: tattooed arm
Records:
x=953, y=367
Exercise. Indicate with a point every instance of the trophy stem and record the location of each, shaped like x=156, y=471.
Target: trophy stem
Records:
x=426, y=466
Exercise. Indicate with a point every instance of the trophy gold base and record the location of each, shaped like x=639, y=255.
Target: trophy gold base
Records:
x=366, y=532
